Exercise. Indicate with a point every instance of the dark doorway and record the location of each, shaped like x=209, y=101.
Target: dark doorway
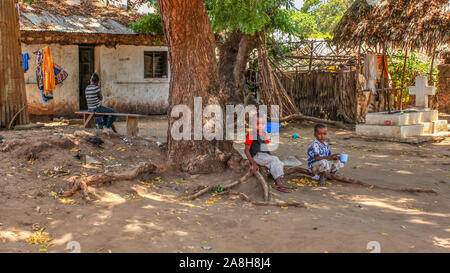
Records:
x=87, y=68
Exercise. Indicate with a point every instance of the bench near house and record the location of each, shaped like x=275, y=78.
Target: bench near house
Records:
x=133, y=69
x=132, y=120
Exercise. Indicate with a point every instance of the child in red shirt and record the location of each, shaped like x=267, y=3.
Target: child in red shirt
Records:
x=258, y=154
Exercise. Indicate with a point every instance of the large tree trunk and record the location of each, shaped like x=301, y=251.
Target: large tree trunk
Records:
x=13, y=101
x=194, y=74
x=232, y=63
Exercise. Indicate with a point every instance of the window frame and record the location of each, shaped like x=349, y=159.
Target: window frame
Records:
x=154, y=64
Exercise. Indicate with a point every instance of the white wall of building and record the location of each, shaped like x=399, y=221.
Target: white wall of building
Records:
x=124, y=87
x=121, y=71
x=65, y=95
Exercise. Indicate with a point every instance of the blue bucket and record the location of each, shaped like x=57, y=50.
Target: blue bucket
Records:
x=343, y=158
x=273, y=127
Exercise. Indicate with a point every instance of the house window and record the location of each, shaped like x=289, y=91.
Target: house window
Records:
x=155, y=64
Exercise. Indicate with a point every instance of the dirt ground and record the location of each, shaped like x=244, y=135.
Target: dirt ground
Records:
x=149, y=214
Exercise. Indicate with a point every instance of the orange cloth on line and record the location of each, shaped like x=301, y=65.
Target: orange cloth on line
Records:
x=48, y=72
x=381, y=59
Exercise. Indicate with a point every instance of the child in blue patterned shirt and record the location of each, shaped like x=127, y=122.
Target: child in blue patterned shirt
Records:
x=320, y=158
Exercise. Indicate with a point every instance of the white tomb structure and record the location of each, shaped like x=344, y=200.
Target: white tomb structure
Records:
x=412, y=122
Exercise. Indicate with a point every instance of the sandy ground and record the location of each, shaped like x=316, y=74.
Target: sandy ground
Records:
x=148, y=214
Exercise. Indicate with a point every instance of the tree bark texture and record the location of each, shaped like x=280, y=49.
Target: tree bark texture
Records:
x=194, y=74
x=233, y=59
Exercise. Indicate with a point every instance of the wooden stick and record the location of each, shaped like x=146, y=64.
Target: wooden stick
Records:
x=432, y=64
x=229, y=186
x=403, y=79
x=383, y=89
x=291, y=170
x=277, y=203
x=258, y=175
x=15, y=116
x=313, y=119
x=311, y=56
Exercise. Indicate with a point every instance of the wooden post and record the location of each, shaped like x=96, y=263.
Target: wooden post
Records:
x=383, y=69
x=403, y=80
x=359, y=60
x=132, y=126
x=12, y=83
x=433, y=98
x=89, y=121
x=432, y=64
x=311, y=56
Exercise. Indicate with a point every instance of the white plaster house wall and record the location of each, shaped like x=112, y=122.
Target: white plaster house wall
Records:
x=65, y=95
x=121, y=70
x=124, y=87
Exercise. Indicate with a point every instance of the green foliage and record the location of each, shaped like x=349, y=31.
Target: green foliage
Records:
x=247, y=16
x=414, y=67
x=326, y=14
x=292, y=22
x=316, y=19
x=151, y=24
x=306, y=26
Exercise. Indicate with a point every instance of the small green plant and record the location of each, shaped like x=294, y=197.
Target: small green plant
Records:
x=218, y=188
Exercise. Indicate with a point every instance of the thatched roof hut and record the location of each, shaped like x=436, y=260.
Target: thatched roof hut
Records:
x=400, y=24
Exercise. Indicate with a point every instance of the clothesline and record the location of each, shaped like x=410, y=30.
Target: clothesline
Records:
x=375, y=68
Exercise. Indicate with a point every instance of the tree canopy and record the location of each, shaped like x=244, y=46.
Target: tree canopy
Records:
x=315, y=19
x=325, y=14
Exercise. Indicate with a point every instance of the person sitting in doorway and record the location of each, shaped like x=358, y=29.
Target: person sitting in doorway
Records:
x=320, y=158
x=94, y=99
x=258, y=154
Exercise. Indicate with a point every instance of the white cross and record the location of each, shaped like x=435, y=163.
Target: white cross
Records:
x=422, y=91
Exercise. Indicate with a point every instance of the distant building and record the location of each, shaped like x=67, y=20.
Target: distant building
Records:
x=90, y=37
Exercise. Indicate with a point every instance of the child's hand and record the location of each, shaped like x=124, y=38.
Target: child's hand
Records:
x=254, y=168
x=335, y=156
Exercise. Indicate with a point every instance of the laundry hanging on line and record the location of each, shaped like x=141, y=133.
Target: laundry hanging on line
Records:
x=25, y=58
x=383, y=66
x=371, y=71
x=375, y=67
x=48, y=74
x=44, y=71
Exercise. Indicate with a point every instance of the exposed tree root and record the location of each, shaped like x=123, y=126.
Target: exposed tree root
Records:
x=226, y=187
x=258, y=175
x=291, y=170
x=83, y=182
x=264, y=185
x=276, y=202
x=313, y=119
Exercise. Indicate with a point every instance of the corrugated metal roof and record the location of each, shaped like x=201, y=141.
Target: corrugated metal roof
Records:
x=75, y=23
x=81, y=16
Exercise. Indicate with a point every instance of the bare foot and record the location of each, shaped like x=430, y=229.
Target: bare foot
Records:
x=322, y=181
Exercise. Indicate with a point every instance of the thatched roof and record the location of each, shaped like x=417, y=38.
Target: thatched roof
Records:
x=400, y=24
